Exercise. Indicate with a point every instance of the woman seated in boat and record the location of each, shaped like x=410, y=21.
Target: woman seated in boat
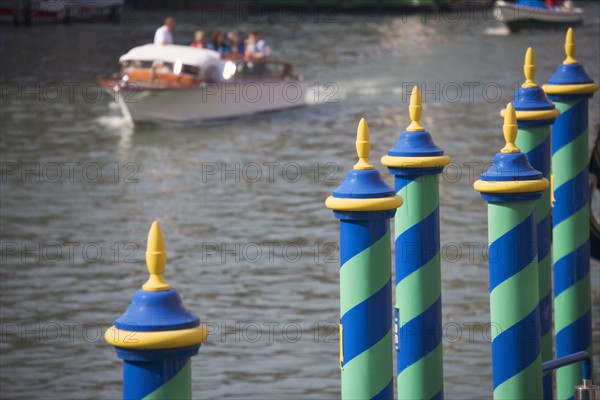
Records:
x=218, y=43
x=236, y=45
x=198, y=40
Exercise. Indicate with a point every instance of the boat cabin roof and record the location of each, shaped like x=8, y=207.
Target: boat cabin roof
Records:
x=187, y=55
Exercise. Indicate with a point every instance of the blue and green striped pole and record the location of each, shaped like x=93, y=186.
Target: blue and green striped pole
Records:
x=511, y=186
x=364, y=205
x=570, y=88
x=535, y=115
x=156, y=336
x=416, y=163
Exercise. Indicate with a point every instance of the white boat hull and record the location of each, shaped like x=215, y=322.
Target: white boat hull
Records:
x=209, y=102
x=523, y=16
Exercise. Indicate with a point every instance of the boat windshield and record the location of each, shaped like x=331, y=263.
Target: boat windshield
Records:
x=239, y=69
x=224, y=71
x=176, y=68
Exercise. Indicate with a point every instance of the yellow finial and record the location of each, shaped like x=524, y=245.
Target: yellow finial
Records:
x=363, y=146
x=570, y=47
x=415, y=110
x=529, y=70
x=156, y=258
x=510, y=130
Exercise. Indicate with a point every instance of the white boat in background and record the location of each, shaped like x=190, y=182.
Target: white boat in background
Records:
x=33, y=11
x=44, y=11
x=186, y=84
x=534, y=14
x=94, y=10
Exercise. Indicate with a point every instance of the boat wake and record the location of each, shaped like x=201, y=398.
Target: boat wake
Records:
x=500, y=30
x=115, y=122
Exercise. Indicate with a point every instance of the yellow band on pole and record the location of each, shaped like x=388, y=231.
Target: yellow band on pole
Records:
x=511, y=186
x=372, y=204
x=580, y=88
x=535, y=115
x=155, y=340
x=415, y=162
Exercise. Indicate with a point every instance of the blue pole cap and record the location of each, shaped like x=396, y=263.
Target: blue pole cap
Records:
x=415, y=153
x=510, y=177
x=570, y=74
x=363, y=184
x=415, y=144
x=511, y=167
x=156, y=319
x=570, y=78
x=156, y=307
x=531, y=99
x=363, y=181
x=415, y=141
x=363, y=189
x=532, y=106
x=156, y=311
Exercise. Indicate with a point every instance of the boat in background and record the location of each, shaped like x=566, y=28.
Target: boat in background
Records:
x=94, y=10
x=535, y=14
x=46, y=11
x=175, y=83
x=32, y=11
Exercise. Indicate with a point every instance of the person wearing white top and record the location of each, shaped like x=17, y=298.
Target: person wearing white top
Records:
x=164, y=34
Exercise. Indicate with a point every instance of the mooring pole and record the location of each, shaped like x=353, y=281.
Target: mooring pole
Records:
x=416, y=163
x=511, y=186
x=156, y=336
x=364, y=205
x=570, y=88
x=535, y=116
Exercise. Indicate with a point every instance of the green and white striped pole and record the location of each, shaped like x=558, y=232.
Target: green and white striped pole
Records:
x=535, y=115
x=416, y=162
x=570, y=88
x=511, y=186
x=364, y=205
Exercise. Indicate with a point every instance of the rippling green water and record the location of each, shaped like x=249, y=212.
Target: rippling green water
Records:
x=251, y=247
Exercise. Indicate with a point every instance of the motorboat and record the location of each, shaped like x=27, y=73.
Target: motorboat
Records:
x=535, y=14
x=173, y=83
x=94, y=10
x=34, y=11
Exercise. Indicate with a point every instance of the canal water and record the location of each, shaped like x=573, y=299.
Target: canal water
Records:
x=251, y=247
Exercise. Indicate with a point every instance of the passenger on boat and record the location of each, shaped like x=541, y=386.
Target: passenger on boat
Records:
x=164, y=34
x=217, y=43
x=256, y=49
x=198, y=40
x=553, y=3
x=236, y=45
